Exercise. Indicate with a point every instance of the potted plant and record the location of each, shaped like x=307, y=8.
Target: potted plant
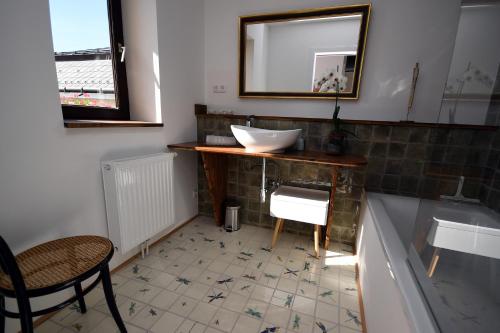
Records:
x=337, y=138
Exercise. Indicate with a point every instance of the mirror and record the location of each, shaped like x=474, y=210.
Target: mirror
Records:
x=303, y=54
x=472, y=91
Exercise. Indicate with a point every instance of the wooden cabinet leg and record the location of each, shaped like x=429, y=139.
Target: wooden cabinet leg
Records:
x=279, y=223
x=434, y=261
x=215, y=166
x=331, y=205
x=316, y=239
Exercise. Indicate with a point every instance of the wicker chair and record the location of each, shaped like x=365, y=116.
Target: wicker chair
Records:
x=51, y=267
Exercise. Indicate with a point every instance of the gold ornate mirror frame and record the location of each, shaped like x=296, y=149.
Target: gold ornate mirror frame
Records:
x=244, y=21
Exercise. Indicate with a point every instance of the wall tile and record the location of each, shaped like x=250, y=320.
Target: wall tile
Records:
x=461, y=137
x=493, y=200
x=412, y=161
x=419, y=134
x=390, y=182
x=455, y=155
x=435, y=153
x=439, y=135
x=397, y=150
x=496, y=141
x=373, y=182
x=381, y=133
x=409, y=184
x=358, y=147
x=416, y=151
x=400, y=134
x=364, y=132
x=378, y=149
x=393, y=167
x=493, y=158
x=376, y=165
x=411, y=168
x=482, y=138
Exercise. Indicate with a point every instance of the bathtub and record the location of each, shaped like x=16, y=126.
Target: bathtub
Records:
x=392, y=298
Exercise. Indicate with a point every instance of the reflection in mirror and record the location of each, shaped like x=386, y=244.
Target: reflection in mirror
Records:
x=455, y=254
x=288, y=56
x=309, y=54
x=472, y=92
x=329, y=66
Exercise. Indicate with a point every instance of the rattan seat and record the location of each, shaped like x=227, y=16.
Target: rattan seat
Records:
x=51, y=267
x=60, y=261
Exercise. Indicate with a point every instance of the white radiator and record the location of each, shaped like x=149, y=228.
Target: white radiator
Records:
x=139, y=198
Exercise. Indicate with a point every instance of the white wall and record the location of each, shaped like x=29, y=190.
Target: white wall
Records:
x=257, y=80
x=142, y=61
x=291, y=50
x=474, y=44
x=477, y=26
x=401, y=33
x=50, y=180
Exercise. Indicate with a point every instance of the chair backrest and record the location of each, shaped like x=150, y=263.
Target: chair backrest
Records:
x=9, y=266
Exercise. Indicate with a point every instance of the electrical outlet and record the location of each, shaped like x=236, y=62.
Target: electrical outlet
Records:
x=195, y=194
x=219, y=89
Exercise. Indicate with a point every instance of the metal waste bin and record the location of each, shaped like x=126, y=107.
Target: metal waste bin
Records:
x=232, y=222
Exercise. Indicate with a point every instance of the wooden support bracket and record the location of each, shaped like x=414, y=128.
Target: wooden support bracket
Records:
x=215, y=166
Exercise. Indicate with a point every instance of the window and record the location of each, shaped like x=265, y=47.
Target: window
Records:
x=89, y=56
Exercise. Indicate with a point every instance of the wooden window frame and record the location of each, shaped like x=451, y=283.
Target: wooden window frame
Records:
x=121, y=112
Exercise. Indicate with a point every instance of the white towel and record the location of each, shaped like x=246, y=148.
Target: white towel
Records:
x=217, y=140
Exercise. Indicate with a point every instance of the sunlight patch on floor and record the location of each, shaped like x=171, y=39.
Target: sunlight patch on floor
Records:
x=333, y=258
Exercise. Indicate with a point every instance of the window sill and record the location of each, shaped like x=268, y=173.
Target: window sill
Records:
x=75, y=123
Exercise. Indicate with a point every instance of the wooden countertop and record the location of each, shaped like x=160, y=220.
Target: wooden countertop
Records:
x=316, y=157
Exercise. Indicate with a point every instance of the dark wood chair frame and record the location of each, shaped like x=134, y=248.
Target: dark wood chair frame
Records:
x=9, y=266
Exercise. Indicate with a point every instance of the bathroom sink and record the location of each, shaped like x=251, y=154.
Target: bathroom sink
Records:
x=259, y=140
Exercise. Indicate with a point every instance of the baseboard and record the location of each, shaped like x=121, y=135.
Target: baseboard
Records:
x=46, y=317
x=360, y=301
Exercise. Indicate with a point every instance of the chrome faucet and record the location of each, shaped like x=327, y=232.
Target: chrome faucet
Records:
x=458, y=195
x=250, y=120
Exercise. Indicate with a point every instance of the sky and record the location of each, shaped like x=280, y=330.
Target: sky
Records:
x=79, y=24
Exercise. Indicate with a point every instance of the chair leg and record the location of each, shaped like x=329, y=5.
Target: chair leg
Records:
x=277, y=228
x=316, y=239
x=25, y=316
x=81, y=299
x=434, y=261
x=110, y=298
x=2, y=317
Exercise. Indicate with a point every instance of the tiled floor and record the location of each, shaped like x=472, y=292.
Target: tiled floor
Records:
x=203, y=279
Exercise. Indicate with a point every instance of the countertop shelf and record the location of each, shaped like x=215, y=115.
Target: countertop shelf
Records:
x=215, y=166
x=315, y=157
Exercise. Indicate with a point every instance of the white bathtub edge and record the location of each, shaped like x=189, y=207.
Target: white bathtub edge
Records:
x=415, y=307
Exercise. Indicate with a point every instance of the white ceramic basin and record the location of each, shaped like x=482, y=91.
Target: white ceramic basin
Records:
x=258, y=140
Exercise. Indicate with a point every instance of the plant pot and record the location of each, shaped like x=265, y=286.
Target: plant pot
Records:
x=336, y=143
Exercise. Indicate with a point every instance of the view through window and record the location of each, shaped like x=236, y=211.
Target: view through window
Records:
x=83, y=53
